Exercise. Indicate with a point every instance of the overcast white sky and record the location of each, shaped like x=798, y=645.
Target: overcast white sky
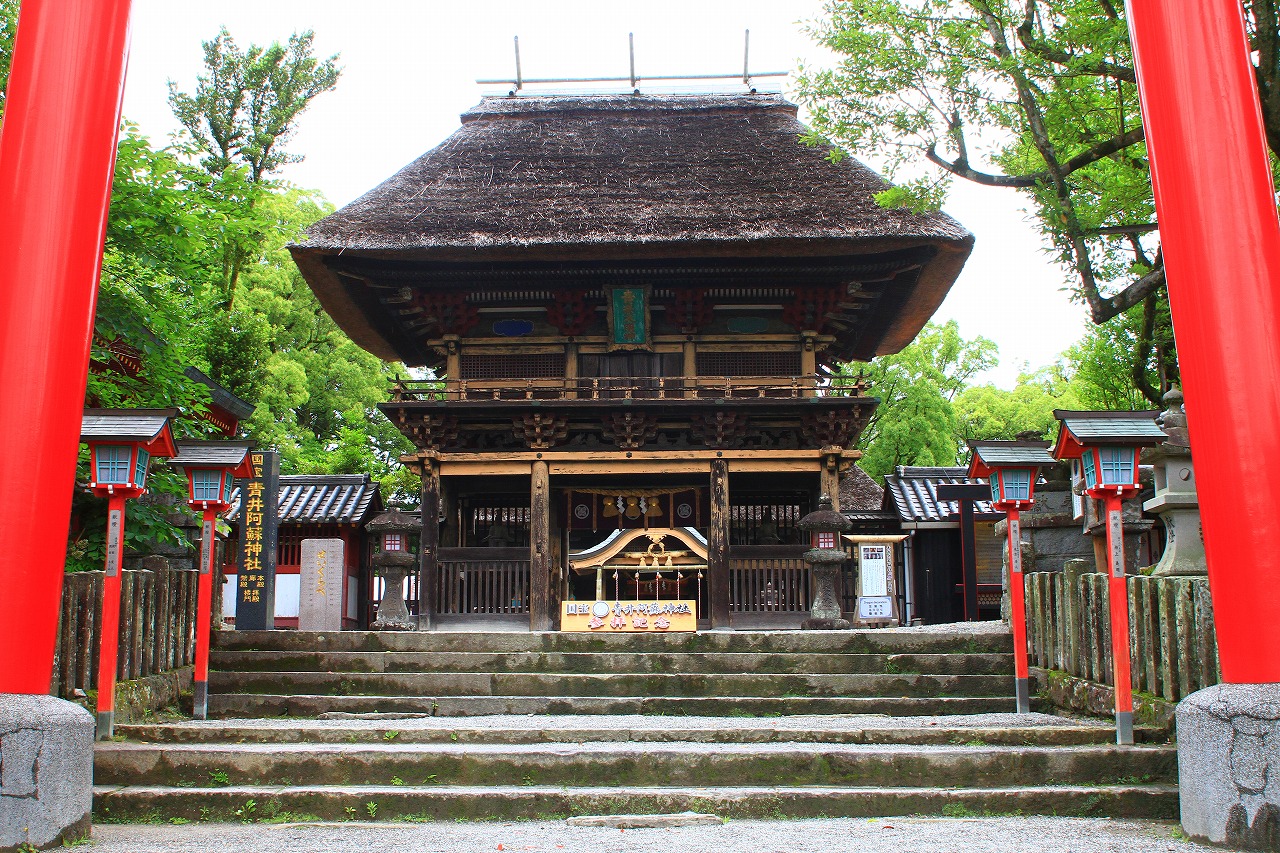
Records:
x=410, y=68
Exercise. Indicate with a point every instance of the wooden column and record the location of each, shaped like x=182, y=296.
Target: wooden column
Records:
x=540, y=549
x=690, y=369
x=829, y=477
x=718, y=545
x=428, y=550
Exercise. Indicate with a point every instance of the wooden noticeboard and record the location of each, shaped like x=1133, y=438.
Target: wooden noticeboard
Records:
x=877, y=579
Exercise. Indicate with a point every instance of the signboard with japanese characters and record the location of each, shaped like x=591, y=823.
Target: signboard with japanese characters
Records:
x=256, y=581
x=609, y=617
x=877, y=585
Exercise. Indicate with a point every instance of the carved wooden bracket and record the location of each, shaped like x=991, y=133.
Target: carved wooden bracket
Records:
x=721, y=430
x=631, y=430
x=541, y=431
x=430, y=432
x=832, y=428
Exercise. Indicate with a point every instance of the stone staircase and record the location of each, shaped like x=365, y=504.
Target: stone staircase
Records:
x=421, y=726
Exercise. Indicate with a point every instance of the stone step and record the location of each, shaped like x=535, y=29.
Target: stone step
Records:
x=243, y=705
x=989, y=663
x=995, y=729
x=528, y=802
x=610, y=684
x=617, y=765
x=986, y=638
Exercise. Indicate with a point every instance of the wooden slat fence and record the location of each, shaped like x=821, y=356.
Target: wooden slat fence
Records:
x=483, y=581
x=157, y=626
x=768, y=585
x=1172, y=645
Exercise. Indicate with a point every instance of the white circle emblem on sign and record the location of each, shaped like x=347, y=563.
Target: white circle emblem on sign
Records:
x=684, y=511
x=600, y=609
x=581, y=511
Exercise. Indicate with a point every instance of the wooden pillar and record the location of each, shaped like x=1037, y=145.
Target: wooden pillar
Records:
x=829, y=477
x=690, y=369
x=428, y=550
x=718, y=545
x=540, y=550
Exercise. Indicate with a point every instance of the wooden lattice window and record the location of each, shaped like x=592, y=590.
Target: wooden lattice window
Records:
x=496, y=521
x=749, y=363
x=511, y=366
x=767, y=519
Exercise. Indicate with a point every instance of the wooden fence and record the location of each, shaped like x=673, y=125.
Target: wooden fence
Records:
x=1171, y=641
x=157, y=626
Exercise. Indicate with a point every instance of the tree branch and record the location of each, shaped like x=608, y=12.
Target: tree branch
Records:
x=1097, y=68
x=1105, y=309
x=962, y=169
x=1138, y=369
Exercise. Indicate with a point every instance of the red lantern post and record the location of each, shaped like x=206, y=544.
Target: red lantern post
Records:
x=1106, y=443
x=1011, y=468
x=61, y=118
x=211, y=467
x=121, y=444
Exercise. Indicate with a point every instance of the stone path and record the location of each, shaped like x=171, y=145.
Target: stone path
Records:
x=892, y=835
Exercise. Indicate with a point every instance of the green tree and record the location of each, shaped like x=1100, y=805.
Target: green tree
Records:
x=986, y=412
x=8, y=28
x=916, y=423
x=245, y=108
x=1034, y=95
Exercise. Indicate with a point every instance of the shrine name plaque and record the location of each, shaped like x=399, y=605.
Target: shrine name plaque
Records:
x=637, y=617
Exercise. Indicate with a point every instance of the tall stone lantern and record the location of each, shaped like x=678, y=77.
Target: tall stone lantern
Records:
x=824, y=559
x=393, y=561
x=1175, y=501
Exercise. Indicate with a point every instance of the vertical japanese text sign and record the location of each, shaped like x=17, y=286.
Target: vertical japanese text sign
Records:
x=256, y=581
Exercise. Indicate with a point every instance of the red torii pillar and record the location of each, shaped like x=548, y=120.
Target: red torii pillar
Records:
x=57, y=154
x=1221, y=240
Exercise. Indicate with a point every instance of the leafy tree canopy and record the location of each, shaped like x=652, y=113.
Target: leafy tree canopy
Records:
x=1034, y=95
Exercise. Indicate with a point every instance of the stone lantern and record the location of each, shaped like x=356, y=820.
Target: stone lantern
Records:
x=394, y=561
x=824, y=559
x=1175, y=502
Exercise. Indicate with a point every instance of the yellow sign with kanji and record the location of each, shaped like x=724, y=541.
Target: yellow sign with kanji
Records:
x=611, y=617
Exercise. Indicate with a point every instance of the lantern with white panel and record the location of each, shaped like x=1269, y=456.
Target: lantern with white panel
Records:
x=1107, y=444
x=121, y=443
x=1011, y=469
x=211, y=468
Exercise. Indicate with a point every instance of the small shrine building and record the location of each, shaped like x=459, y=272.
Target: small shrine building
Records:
x=634, y=306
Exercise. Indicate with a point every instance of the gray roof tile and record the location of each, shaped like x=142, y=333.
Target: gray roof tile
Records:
x=322, y=499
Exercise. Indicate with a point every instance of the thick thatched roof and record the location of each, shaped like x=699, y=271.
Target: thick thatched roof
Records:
x=859, y=492
x=627, y=176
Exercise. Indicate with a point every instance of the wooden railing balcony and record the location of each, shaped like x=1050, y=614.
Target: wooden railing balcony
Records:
x=656, y=388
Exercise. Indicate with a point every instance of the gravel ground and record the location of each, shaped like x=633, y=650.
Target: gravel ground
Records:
x=880, y=835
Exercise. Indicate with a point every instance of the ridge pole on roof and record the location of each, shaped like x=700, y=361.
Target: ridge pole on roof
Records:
x=631, y=46
x=519, y=73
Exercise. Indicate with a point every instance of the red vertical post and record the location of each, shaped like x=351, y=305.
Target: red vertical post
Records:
x=57, y=154
x=109, y=639
x=204, y=615
x=1018, y=614
x=1118, y=603
x=1221, y=240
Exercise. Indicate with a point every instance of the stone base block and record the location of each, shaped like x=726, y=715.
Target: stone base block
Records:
x=826, y=625
x=46, y=771
x=1229, y=765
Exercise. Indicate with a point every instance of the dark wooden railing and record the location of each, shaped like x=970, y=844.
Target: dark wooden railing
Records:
x=483, y=581
x=157, y=626
x=768, y=579
x=656, y=388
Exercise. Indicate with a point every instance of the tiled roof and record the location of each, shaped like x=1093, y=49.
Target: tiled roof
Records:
x=1012, y=453
x=322, y=499
x=1112, y=427
x=913, y=493
x=228, y=453
x=124, y=424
